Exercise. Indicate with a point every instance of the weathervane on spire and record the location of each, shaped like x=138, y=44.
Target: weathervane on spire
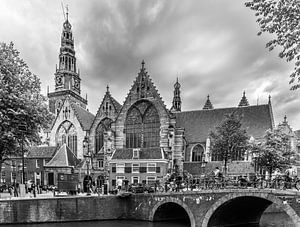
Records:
x=67, y=9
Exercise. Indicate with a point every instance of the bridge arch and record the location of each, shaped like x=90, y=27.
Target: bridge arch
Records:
x=176, y=201
x=266, y=199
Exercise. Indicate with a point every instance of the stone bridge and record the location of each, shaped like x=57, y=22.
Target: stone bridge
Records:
x=215, y=207
x=229, y=207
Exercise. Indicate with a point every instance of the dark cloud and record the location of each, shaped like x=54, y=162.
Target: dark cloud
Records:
x=211, y=45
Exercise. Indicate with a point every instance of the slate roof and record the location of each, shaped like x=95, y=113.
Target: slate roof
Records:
x=198, y=124
x=116, y=104
x=297, y=133
x=64, y=157
x=41, y=152
x=84, y=117
x=145, y=153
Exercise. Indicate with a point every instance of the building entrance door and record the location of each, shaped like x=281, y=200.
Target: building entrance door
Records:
x=50, y=178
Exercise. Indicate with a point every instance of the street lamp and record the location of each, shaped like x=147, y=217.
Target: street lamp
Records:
x=22, y=128
x=87, y=156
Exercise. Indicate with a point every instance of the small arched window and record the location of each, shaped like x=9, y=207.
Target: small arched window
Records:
x=198, y=153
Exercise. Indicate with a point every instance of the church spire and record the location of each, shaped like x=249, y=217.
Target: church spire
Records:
x=244, y=101
x=67, y=76
x=176, y=99
x=208, y=105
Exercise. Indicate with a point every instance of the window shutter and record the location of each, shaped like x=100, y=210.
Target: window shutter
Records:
x=157, y=169
x=113, y=169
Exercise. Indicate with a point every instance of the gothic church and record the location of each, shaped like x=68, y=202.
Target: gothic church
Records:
x=140, y=139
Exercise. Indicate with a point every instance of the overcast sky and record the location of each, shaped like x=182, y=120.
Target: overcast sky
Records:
x=210, y=45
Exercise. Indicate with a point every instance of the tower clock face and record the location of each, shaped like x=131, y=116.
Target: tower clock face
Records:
x=59, y=80
x=76, y=83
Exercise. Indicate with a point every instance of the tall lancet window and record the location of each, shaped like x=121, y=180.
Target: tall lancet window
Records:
x=198, y=153
x=67, y=134
x=102, y=127
x=142, y=126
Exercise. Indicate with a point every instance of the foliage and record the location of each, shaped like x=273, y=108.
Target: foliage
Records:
x=21, y=103
x=274, y=152
x=281, y=18
x=229, y=140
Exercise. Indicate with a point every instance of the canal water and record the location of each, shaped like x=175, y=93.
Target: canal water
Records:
x=112, y=223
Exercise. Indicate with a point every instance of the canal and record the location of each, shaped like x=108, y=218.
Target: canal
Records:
x=267, y=220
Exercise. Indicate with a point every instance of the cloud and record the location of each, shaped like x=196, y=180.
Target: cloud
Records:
x=211, y=46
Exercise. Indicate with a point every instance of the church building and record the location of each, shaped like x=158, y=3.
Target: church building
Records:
x=140, y=139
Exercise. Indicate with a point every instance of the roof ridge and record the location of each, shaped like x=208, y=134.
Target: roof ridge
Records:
x=223, y=108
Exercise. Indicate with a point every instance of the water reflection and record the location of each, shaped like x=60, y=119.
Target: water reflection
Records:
x=112, y=223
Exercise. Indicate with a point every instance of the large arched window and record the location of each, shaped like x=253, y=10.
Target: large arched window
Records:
x=198, y=153
x=102, y=127
x=142, y=126
x=67, y=134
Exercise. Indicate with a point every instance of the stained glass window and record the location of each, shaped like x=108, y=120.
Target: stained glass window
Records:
x=102, y=127
x=67, y=134
x=198, y=153
x=142, y=126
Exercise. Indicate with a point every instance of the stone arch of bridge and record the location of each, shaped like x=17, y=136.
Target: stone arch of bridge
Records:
x=262, y=196
x=178, y=202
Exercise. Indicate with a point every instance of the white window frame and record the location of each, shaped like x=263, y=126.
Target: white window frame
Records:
x=136, y=153
x=153, y=179
x=120, y=177
x=135, y=177
x=119, y=167
x=151, y=165
x=37, y=164
x=99, y=166
x=135, y=165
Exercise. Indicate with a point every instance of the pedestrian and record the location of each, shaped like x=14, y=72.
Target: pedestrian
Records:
x=119, y=184
x=16, y=190
x=33, y=189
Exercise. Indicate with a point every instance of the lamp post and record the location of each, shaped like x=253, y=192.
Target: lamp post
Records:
x=87, y=156
x=22, y=128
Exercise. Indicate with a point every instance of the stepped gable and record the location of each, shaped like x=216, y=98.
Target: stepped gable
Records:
x=64, y=157
x=143, y=88
x=208, y=105
x=116, y=105
x=198, y=124
x=41, y=152
x=84, y=117
x=144, y=153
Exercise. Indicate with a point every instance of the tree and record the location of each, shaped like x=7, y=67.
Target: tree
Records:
x=229, y=141
x=21, y=103
x=274, y=152
x=281, y=18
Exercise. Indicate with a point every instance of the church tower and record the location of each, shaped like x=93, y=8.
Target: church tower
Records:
x=67, y=76
x=176, y=104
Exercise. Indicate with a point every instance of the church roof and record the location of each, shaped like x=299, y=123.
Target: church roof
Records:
x=297, y=133
x=64, y=157
x=145, y=153
x=84, y=117
x=41, y=152
x=198, y=124
x=117, y=105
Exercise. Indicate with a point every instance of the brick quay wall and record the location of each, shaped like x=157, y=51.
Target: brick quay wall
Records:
x=62, y=209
